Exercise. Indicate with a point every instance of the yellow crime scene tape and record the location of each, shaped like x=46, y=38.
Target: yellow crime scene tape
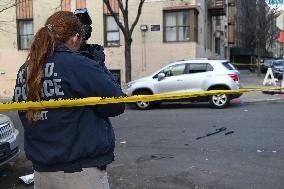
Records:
x=27, y=105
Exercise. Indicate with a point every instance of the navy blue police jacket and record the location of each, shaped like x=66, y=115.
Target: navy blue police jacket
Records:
x=61, y=137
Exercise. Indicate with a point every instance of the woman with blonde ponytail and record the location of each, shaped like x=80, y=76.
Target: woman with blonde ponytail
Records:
x=69, y=147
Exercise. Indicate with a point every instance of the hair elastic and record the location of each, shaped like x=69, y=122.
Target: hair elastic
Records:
x=49, y=27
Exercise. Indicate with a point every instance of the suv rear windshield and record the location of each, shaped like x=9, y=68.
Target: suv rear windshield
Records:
x=228, y=65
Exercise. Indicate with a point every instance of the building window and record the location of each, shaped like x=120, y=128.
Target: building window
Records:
x=217, y=45
x=176, y=26
x=111, y=32
x=66, y=5
x=218, y=21
x=196, y=26
x=114, y=6
x=111, y=28
x=24, y=13
x=117, y=75
x=25, y=33
x=80, y=4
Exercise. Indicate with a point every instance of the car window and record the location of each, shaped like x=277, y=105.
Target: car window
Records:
x=198, y=68
x=209, y=67
x=174, y=70
x=228, y=65
x=268, y=61
x=278, y=63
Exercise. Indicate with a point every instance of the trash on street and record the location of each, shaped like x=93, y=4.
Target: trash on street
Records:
x=27, y=179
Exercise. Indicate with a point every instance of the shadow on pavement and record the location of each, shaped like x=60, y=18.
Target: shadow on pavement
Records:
x=186, y=105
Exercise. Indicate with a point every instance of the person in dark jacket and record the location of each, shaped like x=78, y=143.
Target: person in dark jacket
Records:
x=69, y=147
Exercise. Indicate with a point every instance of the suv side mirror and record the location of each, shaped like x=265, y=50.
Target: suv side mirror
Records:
x=161, y=76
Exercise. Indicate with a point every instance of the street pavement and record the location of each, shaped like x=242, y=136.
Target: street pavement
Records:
x=157, y=149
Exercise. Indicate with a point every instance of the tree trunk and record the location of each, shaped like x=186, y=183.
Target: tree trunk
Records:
x=127, y=55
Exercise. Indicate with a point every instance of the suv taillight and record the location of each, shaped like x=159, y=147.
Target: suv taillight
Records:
x=234, y=77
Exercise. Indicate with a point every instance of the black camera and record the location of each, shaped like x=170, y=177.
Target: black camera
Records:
x=92, y=51
x=86, y=21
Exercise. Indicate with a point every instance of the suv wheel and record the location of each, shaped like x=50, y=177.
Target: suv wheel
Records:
x=143, y=105
x=219, y=101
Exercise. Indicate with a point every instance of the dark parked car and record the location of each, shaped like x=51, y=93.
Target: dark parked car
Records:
x=267, y=63
x=277, y=69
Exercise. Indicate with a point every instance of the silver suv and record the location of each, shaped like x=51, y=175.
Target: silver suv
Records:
x=188, y=76
x=9, y=145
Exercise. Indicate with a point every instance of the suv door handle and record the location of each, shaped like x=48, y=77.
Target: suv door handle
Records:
x=179, y=80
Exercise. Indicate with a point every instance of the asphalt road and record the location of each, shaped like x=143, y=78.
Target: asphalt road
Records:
x=158, y=149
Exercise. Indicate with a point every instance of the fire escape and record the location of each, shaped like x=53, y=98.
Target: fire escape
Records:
x=217, y=7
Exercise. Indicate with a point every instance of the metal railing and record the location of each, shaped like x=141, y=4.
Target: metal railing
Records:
x=216, y=3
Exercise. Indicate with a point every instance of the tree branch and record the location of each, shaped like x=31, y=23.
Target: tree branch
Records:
x=59, y=6
x=120, y=25
x=8, y=7
x=125, y=15
x=14, y=3
x=126, y=6
x=138, y=16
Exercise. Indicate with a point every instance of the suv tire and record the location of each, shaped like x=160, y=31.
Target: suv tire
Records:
x=142, y=105
x=219, y=101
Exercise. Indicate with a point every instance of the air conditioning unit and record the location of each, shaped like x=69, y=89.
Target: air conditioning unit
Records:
x=218, y=28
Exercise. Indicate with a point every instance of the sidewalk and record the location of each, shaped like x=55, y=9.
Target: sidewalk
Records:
x=250, y=80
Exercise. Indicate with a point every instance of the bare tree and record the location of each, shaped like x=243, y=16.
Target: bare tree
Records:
x=126, y=29
x=4, y=23
x=266, y=30
x=260, y=31
x=5, y=5
x=8, y=4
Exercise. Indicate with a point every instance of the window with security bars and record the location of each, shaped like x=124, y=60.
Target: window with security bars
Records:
x=111, y=32
x=66, y=5
x=25, y=33
x=217, y=45
x=111, y=36
x=176, y=26
x=24, y=12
